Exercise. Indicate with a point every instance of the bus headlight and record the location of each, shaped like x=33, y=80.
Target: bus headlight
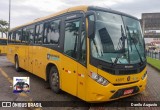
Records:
x=145, y=74
x=101, y=80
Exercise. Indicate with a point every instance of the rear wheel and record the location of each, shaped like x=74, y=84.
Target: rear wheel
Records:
x=18, y=69
x=54, y=80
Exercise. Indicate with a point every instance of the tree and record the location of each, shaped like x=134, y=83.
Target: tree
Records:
x=4, y=27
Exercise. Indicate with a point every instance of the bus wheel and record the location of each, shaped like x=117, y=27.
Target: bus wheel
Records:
x=54, y=80
x=18, y=69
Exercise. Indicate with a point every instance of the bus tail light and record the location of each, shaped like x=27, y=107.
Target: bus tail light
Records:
x=145, y=74
x=101, y=80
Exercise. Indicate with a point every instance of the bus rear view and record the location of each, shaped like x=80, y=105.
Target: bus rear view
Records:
x=3, y=46
x=117, y=63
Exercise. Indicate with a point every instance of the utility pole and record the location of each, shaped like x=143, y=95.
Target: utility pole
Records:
x=9, y=14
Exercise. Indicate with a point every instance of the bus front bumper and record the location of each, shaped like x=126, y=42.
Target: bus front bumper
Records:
x=98, y=93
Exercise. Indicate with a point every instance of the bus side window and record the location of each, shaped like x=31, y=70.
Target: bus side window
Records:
x=23, y=39
x=13, y=37
x=30, y=34
x=45, y=41
x=52, y=32
x=71, y=38
x=39, y=34
x=18, y=36
x=9, y=37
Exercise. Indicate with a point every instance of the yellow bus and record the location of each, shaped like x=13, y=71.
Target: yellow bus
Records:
x=3, y=46
x=93, y=53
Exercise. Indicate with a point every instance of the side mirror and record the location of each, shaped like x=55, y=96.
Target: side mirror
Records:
x=90, y=15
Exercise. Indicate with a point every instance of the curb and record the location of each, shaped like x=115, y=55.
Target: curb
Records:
x=153, y=67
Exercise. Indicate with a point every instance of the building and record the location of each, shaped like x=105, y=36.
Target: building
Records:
x=150, y=23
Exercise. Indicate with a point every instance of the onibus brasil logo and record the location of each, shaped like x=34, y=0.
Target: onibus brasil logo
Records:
x=21, y=84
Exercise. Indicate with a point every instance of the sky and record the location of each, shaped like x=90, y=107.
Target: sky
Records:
x=23, y=11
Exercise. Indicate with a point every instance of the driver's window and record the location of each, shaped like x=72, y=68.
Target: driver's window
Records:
x=71, y=38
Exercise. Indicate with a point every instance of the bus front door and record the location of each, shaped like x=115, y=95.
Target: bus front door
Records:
x=70, y=57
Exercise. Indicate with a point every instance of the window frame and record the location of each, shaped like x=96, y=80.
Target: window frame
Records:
x=25, y=40
x=68, y=21
x=85, y=38
x=28, y=29
x=60, y=30
x=20, y=36
x=35, y=26
x=82, y=19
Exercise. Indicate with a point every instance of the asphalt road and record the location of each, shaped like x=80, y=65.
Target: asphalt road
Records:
x=40, y=90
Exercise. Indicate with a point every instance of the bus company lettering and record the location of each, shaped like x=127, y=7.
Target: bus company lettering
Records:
x=52, y=57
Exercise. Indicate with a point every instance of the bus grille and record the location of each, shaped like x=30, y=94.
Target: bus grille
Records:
x=120, y=92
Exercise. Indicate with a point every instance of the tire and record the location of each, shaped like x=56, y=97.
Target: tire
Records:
x=54, y=80
x=18, y=69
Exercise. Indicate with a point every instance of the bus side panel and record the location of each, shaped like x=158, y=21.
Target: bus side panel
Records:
x=38, y=57
x=29, y=58
x=20, y=51
x=41, y=61
x=11, y=53
x=82, y=74
x=3, y=49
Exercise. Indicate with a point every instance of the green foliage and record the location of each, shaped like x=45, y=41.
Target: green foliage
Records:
x=154, y=62
x=3, y=27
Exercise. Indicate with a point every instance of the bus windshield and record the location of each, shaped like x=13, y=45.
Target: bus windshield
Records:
x=3, y=42
x=118, y=39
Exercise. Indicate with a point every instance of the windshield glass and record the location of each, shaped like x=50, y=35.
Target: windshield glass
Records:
x=118, y=39
x=3, y=42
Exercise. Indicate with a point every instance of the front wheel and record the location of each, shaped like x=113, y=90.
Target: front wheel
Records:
x=18, y=69
x=54, y=80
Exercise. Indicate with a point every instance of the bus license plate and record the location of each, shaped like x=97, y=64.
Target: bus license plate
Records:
x=129, y=91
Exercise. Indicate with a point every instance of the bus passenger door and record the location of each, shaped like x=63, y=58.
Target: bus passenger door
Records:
x=70, y=56
x=82, y=65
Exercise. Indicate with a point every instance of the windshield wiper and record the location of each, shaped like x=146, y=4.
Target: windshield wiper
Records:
x=133, y=39
x=122, y=45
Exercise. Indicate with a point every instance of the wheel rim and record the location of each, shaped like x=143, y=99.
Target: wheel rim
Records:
x=54, y=80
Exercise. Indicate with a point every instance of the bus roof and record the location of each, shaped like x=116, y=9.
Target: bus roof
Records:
x=76, y=8
x=82, y=8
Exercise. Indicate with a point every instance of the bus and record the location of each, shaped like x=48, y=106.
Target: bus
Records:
x=3, y=46
x=93, y=53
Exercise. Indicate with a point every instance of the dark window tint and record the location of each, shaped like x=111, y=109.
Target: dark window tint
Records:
x=24, y=35
x=9, y=37
x=31, y=35
x=18, y=35
x=3, y=42
x=52, y=32
x=71, y=38
x=39, y=34
x=13, y=37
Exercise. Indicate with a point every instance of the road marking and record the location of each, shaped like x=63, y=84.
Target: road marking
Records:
x=21, y=94
x=6, y=76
